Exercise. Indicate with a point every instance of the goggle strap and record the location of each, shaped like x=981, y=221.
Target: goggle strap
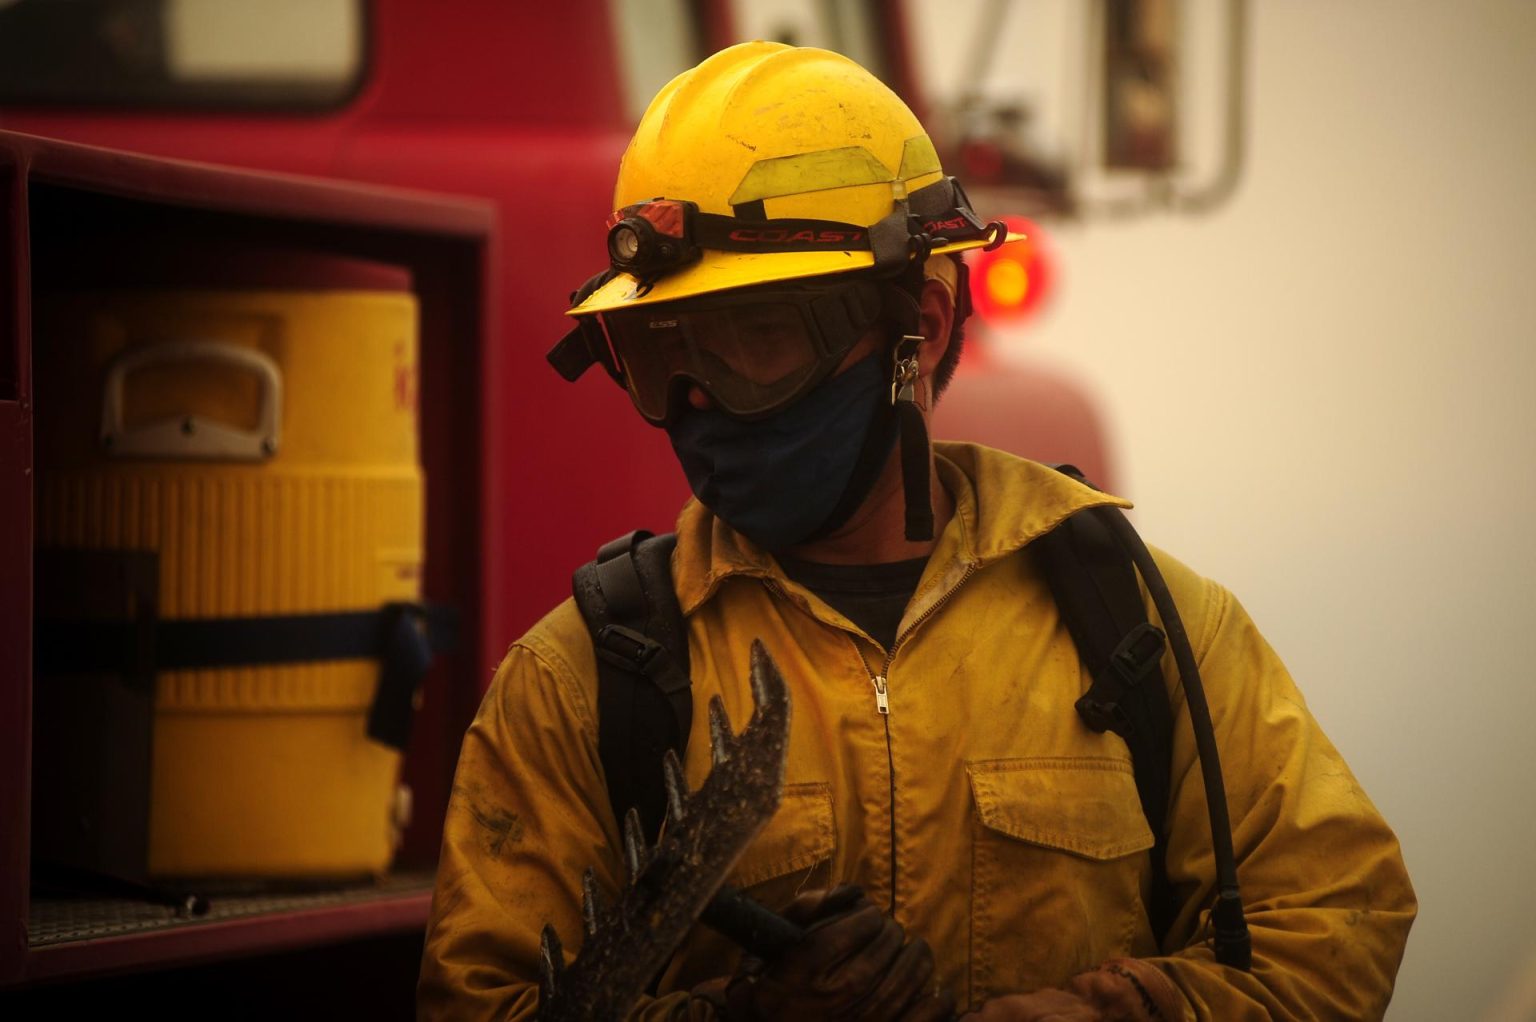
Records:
x=846, y=313
x=586, y=345
x=572, y=355
x=942, y=198
x=579, y=350
x=933, y=199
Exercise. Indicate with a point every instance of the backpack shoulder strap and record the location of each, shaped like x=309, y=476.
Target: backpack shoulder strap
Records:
x=1094, y=582
x=644, y=698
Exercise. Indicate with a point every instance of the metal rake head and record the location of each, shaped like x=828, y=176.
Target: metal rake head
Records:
x=628, y=941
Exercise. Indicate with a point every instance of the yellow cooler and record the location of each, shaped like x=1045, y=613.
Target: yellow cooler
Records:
x=230, y=505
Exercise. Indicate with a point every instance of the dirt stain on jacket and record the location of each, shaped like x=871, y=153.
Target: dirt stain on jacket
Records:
x=501, y=826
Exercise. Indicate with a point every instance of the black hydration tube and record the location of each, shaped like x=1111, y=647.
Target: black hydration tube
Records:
x=1234, y=946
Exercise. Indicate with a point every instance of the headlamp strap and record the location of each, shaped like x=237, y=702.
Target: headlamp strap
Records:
x=916, y=491
x=942, y=210
x=650, y=239
x=735, y=234
x=890, y=240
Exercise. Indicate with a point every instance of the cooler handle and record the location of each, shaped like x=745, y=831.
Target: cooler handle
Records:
x=193, y=436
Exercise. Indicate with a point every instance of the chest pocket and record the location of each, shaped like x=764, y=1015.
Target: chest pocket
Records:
x=799, y=838
x=1058, y=865
x=793, y=852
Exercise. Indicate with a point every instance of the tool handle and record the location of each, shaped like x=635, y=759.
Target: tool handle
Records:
x=758, y=929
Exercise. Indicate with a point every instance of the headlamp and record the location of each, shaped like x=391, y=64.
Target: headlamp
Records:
x=653, y=238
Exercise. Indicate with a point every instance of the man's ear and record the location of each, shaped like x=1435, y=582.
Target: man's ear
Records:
x=937, y=319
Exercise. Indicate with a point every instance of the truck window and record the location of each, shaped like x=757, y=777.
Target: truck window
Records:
x=235, y=54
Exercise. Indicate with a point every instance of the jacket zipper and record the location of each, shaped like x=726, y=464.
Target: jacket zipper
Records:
x=882, y=697
x=883, y=707
x=880, y=681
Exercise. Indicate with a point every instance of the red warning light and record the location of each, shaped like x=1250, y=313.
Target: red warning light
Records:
x=1009, y=283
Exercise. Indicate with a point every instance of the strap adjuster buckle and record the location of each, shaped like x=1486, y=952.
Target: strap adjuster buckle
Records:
x=1135, y=657
x=1103, y=715
x=630, y=650
x=1138, y=653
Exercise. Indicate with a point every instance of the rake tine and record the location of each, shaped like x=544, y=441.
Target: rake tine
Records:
x=767, y=683
x=635, y=853
x=676, y=785
x=591, y=901
x=720, y=733
x=551, y=964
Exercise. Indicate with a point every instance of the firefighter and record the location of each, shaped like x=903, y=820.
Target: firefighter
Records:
x=784, y=298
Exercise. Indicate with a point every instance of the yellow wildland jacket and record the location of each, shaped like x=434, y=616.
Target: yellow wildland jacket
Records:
x=979, y=809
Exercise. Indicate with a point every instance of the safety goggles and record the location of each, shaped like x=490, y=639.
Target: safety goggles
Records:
x=753, y=352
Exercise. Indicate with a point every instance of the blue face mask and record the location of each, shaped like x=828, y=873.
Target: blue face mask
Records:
x=799, y=473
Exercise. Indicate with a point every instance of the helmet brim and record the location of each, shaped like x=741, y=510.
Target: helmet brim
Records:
x=724, y=271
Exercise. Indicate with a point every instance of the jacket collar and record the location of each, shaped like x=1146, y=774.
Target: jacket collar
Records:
x=1001, y=504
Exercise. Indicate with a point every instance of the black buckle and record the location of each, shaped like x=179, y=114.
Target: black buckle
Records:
x=1135, y=657
x=629, y=650
x=1138, y=653
x=1102, y=715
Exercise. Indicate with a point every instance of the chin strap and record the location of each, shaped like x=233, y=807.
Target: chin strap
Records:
x=914, y=440
x=915, y=454
x=915, y=451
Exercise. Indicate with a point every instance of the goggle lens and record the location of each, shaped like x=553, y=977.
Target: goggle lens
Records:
x=751, y=354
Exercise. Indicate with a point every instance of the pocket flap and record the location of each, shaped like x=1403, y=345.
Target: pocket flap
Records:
x=1088, y=807
x=799, y=835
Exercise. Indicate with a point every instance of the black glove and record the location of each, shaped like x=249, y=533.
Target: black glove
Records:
x=854, y=963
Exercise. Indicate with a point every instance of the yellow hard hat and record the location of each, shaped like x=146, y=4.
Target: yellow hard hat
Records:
x=769, y=163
